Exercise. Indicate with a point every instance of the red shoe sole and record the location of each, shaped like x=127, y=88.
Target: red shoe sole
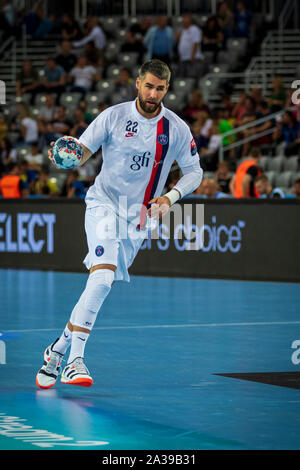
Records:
x=80, y=382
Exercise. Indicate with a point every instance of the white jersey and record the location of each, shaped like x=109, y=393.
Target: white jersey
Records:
x=137, y=156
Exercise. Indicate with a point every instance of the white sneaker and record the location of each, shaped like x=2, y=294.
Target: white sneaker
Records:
x=76, y=373
x=47, y=375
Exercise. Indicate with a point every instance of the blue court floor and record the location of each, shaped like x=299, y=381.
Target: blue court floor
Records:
x=157, y=354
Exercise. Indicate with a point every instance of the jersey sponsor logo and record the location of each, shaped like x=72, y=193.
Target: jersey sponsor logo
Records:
x=163, y=139
x=193, y=147
x=129, y=134
x=99, y=250
x=140, y=161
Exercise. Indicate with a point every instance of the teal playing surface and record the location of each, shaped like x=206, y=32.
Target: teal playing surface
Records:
x=159, y=355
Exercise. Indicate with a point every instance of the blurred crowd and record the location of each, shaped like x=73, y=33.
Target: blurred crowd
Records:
x=81, y=63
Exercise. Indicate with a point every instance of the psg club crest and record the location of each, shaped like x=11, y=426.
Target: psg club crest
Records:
x=99, y=250
x=163, y=139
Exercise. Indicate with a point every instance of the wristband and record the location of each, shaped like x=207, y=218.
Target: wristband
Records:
x=173, y=196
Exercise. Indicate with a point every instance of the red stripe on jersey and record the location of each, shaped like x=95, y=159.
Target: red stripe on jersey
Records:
x=158, y=153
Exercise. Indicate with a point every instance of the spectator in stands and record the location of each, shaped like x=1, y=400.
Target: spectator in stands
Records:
x=3, y=127
x=278, y=96
x=224, y=125
x=45, y=186
x=133, y=44
x=250, y=110
x=7, y=21
x=80, y=124
x=46, y=112
x=140, y=29
x=159, y=41
x=228, y=104
x=125, y=86
x=69, y=28
x=94, y=33
x=288, y=131
x=31, y=20
x=189, y=49
x=28, y=177
x=209, y=154
x=28, y=125
x=239, y=110
x=213, y=38
x=263, y=110
x=93, y=56
x=205, y=120
x=296, y=188
x=211, y=190
x=83, y=76
x=45, y=26
x=256, y=93
x=8, y=10
x=265, y=190
x=199, y=138
x=34, y=157
x=11, y=185
x=27, y=80
x=61, y=124
x=73, y=186
x=195, y=104
x=243, y=20
x=225, y=20
x=242, y=184
x=222, y=176
x=54, y=78
x=66, y=59
x=8, y=154
x=88, y=117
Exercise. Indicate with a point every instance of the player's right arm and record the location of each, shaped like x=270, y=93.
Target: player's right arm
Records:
x=86, y=154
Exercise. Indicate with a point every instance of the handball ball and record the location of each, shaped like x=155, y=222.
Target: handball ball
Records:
x=67, y=152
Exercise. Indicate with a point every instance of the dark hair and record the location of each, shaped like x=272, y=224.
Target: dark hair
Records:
x=250, y=98
x=155, y=67
x=291, y=116
x=264, y=105
x=255, y=152
x=262, y=177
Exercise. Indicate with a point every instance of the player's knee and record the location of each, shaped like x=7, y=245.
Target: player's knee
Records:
x=98, y=287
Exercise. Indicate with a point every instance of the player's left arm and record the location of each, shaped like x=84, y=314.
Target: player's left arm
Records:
x=191, y=179
x=192, y=173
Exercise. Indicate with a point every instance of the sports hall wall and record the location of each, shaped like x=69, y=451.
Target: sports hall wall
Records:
x=248, y=240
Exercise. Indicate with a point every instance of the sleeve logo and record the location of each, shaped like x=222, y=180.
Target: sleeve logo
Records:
x=193, y=147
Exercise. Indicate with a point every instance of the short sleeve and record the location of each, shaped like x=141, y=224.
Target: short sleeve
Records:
x=97, y=133
x=187, y=153
x=196, y=34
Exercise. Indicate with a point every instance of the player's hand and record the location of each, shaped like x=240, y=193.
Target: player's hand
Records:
x=50, y=155
x=160, y=207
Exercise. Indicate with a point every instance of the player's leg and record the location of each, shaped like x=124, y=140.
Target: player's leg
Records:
x=82, y=321
x=97, y=288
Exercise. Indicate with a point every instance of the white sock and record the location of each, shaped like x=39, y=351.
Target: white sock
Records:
x=79, y=339
x=63, y=343
x=86, y=310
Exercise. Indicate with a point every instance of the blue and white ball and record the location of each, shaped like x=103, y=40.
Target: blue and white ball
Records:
x=67, y=152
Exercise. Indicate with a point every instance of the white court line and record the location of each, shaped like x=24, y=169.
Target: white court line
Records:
x=183, y=325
